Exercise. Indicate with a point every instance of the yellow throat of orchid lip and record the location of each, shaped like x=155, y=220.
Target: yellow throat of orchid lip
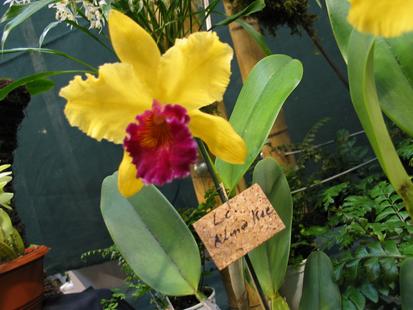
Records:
x=387, y=18
x=193, y=73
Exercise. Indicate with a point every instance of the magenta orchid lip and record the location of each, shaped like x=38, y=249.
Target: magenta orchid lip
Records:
x=160, y=144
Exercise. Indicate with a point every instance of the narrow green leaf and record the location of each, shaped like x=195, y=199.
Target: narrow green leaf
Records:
x=406, y=283
x=257, y=36
x=279, y=303
x=366, y=103
x=46, y=31
x=32, y=78
x=393, y=66
x=269, y=84
x=47, y=51
x=152, y=238
x=11, y=13
x=253, y=7
x=270, y=260
x=319, y=289
x=23, y=15
x=39, y=86
x=90, y=34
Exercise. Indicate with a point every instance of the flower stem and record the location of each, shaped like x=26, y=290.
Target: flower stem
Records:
x=211, y=170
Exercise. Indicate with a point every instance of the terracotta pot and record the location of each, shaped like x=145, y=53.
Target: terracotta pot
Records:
x=21, y=280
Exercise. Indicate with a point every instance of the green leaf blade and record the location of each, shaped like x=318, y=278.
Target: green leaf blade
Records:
x=366, y=103
x=253, y=7
x=393, y=66
x=267, y=88
x=22, y=16
x=163, y=253
x=319, y=289
x=406, y=283
x=270, y=260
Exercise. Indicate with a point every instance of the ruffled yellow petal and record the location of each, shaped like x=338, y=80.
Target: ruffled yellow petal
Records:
x=128, y=183
x=103, y=106
x=135, y=46
x=221, y=138
x=195, y=71
x=388, y=18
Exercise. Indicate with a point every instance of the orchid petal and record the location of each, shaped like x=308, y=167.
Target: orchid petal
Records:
x=218, y=134
x=128, y=183
x=103, y=106
x=195, y=72
x=135, y=46
x=382, y=17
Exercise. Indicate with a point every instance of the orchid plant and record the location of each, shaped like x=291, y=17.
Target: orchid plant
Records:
x=156, y=100
x=150, y=102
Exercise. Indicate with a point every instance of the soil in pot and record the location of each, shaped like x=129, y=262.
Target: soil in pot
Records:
x=185, y=302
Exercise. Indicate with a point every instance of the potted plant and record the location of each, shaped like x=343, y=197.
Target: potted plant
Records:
x=21, y=270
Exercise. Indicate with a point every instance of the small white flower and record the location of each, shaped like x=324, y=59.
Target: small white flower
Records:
x=16, y=2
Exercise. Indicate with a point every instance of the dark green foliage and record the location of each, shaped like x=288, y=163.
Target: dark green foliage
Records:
x=315, y=163
x=357, y=218
x=291, y=13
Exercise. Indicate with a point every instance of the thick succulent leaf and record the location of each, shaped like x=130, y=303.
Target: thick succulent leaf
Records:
x=153, y=238
x=319, y=289
x=270, y=260
x=269, y=84
x=366, y=103
x=393, y=66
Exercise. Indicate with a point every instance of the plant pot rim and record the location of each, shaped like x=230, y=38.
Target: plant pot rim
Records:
x=211, y=296
x=31, y=253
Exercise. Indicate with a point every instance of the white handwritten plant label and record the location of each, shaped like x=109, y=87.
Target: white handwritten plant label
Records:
x=238, y=226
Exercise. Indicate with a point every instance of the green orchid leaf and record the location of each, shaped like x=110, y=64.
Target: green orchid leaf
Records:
x=253, y=7
x=266, y=89
x=152, y=238
x=32, y=79
x=22, y=16
x=46, y=31
x=393, y=66
x=366, y=103
x=39, y=86
x=406, y=283
x=48, y=51
x=257, y=36
x=11, y=13
x=319, y=289
x=90, y=34
x=270, y=260
x=279, y=303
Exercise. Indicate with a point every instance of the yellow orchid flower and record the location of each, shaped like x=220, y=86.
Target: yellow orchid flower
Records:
x=388, y=18
x=150, y=103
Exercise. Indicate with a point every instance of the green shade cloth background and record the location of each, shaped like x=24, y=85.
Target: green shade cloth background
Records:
x=58, y=170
